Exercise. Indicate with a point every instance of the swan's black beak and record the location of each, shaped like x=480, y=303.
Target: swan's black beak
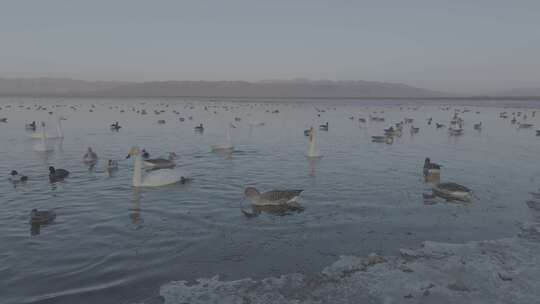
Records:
x=128, y=156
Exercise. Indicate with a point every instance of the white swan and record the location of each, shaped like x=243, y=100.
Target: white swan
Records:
x=153, y=178
x=225, y=147
x=312, y=152
x=42, y=146
x=59, y=132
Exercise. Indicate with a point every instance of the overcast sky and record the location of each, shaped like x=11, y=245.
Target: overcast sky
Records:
x=455, y=46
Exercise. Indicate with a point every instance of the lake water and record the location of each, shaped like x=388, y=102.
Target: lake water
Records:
x=112, y=243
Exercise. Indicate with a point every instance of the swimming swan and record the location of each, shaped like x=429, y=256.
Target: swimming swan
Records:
x=59, y=132
x=153, y=178
x=312, y=152
x=42, y=145
x=227, y=146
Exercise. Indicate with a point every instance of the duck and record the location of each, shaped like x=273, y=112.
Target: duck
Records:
x=199, y=128
x=452, y=191
x=161, y=121
x=115, y=126
x=112, y=165
x=227, y=146
x=3, y=119
x=41, y=217
x=438, y=125
x=154, y=178
x=42, y=146
x=90, y=158
x=307, y=132
x=271, y=198
x=161, y=163
x=455, y=131
x=382, y=139
x=525, y=125
x=145, y=154
x=31, y=126
x=57, y=174
x=312, y=152
x=478, y=126
x=16, y=177
x=537, y=132
x=324, y=127
x=431, y=168
x=414, y=129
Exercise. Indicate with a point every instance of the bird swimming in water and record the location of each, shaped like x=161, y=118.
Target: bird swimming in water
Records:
x=452, y=191
x=199, y=128
x=90, y=158
x=112, y=165
x=324, y=127
x=161, y=163
x=41, y=217
x=16, y=177
x=271, y=198
x=115, y=126
x=431, y=168
x=57, y=174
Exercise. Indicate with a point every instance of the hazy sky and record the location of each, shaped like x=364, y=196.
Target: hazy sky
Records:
x=454, y=45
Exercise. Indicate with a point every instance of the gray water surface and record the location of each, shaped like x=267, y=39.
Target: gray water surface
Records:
x=112, y=243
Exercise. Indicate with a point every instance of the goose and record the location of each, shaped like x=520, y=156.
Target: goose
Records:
x=431, y=168
x=312, y=152
x=452, y=191
x=41, y=217
x=225, y=147
x=271, y=198
x=153, y=178
x=57, y=174
x=324, y=127
x=42, y=145
x=161, y=163
x=90, y=158
x=59, y=131
x=16, y=177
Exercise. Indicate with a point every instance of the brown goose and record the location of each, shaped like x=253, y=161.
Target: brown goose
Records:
x=275, y=197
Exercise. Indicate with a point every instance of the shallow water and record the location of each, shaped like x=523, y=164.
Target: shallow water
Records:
x=111, y=243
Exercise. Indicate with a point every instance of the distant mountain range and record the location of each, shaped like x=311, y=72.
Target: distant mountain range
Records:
x=296, y=88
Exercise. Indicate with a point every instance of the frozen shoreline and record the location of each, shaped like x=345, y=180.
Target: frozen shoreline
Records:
x=496, y=271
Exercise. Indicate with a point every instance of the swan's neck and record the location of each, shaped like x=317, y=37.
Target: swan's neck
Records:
x=43, y=136
x=311, y=150
x=229, y=135
x=59, y=129
x=137, y=171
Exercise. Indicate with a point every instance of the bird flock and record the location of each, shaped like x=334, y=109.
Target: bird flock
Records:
x=155, y=172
